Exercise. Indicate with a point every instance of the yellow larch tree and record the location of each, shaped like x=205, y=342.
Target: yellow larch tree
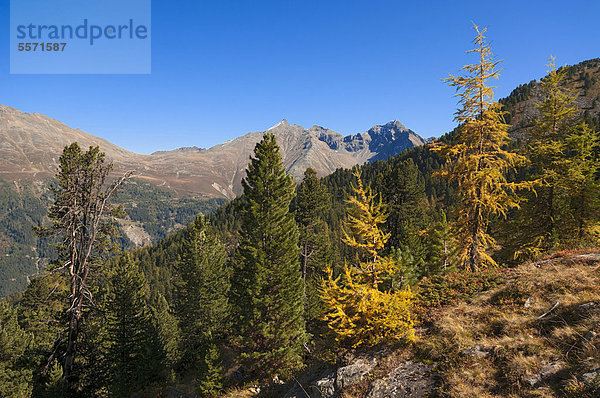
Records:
x=358, y=308
x=477, y=160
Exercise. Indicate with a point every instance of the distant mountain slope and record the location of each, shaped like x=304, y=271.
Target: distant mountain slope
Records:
x=31, y=144
x=170, y=187
x=583, y=79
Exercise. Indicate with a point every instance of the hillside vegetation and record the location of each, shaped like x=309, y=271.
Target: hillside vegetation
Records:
x=152, y=214
x=534, y=336
x=532, y=333
x=466, y=267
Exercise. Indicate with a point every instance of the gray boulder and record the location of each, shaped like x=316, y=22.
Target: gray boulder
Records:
x=409, y=380
x=353, y=373
x=546, y=372
x=330, y=383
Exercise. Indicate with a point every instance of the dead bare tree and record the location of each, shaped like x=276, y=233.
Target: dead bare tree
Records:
x=83, y=217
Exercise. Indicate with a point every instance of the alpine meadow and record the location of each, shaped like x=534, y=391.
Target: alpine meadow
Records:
x=301, y=263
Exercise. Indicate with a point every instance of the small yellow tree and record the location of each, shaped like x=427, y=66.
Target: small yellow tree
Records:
x=356, y=307
x=478, y=161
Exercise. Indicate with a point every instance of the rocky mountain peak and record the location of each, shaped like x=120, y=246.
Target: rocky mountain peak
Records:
x=395, y=125
x=282, y=124
x=390, y=139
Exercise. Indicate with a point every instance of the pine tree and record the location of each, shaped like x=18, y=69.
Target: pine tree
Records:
x=267, y=285
x=82, y=216
x=15, y=377
x=404, y=192
x=202, y=304
x=130, y=330
x=312, y=202
x=358, y=309
x=210, y=382
x=42, y=313
x=477, y=162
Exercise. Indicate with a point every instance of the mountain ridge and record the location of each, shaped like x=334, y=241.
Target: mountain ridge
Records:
x=32, y=143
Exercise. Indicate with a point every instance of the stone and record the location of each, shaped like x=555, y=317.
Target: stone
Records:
x=590, y=378
x=353, y=373
x=409, y=380
x=324, y=387
x=590, y=335
x=545, y=373
x=589, y=307
x=329, y=384
x=476, y=351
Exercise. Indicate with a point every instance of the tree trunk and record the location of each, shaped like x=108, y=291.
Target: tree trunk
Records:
x=72, y=345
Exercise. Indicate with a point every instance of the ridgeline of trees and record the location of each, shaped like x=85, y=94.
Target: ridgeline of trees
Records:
x=284, y=274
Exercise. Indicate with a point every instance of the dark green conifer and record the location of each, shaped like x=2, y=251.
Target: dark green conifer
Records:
x=202, y=293
x=442, y=247
x=130, y=330
x=404, y=192
x=210, y=381
x=15, y=378
x=312, y=202
x=168, y=335
x=267, y=286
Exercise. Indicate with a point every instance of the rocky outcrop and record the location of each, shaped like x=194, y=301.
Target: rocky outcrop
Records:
x=331, y=382
x=409, y=380
x=547, y=372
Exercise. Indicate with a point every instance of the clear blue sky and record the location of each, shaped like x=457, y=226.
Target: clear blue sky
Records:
x=224, y=68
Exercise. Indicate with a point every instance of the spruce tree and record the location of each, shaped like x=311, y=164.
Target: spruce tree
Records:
x=202, y=293
x=130, y=330
x=15, y=377
x=168, y=335
x=267, y=285
x=478, y=160
x=312, y=202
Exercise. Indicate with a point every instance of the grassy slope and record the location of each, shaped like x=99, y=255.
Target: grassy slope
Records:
x=495, y=344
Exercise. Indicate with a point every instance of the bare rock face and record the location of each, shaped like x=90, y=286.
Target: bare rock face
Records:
x=353, y=373
x=324, y=387
x=409, y=380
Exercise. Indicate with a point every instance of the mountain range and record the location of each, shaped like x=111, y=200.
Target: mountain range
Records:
x=169, y=188
x=30, y=145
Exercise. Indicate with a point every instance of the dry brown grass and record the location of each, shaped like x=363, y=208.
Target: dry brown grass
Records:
x=505, y=322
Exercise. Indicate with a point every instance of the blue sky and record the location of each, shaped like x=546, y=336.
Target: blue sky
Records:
x=224, y=68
